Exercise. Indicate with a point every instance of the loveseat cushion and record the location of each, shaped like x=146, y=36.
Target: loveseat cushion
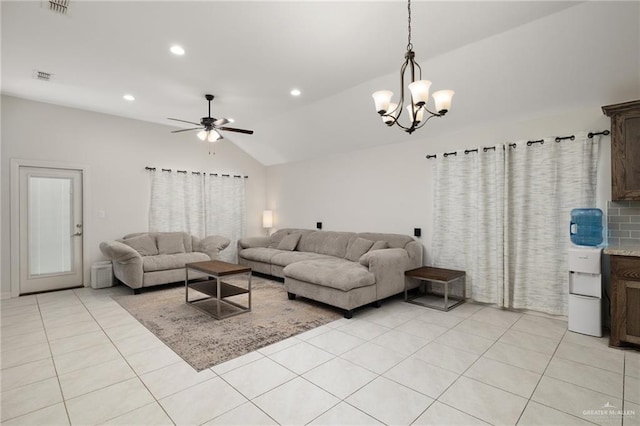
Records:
x=163, y=262
x=259, y=254
x=331, y=272
x=170, y=243
x=289, y=257
x=143, y=244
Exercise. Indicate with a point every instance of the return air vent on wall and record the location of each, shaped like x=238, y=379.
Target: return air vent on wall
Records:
x=41, y=75
x=59, y=6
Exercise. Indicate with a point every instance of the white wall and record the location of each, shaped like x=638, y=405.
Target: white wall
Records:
x=115, y=151
x=547, y=78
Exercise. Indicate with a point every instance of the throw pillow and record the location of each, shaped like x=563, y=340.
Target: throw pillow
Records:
x=143, y=244
x=379, y=245
x=170, y=243
x=289, y=242
x=357, y=248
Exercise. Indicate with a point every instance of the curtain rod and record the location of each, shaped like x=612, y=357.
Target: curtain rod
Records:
x=153, y=169
x=558, y=139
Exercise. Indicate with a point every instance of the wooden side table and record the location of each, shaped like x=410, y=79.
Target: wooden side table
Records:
x=438, y=275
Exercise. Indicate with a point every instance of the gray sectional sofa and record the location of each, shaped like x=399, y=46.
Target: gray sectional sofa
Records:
x=153, y=258
x=342, y=269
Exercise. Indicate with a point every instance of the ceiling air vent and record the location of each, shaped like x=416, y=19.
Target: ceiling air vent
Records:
x=59, y=6
x=41, y=75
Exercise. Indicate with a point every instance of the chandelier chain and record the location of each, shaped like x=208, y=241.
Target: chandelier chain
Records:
x=409, y=44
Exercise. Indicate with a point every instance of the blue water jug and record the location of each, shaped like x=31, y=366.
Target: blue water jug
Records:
x=586, y=227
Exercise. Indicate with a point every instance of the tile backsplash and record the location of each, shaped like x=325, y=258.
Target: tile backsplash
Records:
x=623, y=223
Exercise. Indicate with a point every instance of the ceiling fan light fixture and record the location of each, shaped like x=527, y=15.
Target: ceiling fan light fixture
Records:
x=214, y=136
x=177, y=50
x=202, y=135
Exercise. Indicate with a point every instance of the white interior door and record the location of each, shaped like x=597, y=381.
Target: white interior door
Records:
x=50, y=229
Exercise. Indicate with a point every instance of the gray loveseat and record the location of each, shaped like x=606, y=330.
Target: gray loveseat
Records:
x=152, y=258
x=342, y=269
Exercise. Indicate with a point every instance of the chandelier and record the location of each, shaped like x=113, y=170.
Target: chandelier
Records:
x=417, y=109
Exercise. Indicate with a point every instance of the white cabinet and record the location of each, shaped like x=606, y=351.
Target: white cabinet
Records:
x=585, y=290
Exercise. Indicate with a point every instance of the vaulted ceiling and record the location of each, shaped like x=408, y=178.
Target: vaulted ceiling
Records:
x=248, y=54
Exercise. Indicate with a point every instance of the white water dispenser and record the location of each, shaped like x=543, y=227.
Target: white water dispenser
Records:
x=585, y=290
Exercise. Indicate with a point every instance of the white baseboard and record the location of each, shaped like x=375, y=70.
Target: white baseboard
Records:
x=5, y=295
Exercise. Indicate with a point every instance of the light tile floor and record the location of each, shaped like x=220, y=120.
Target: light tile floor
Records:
x=77, y=357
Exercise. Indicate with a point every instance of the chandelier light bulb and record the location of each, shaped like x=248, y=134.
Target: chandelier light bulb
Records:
x=382, y=98
x=420, y=91
x=202, y=135
x=391, y=115
x=442, y=99
x=419, y=113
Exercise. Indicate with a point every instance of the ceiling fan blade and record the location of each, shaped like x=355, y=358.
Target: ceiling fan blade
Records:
x=232, y=129
x=185, y=130
x=220, y=122
x=184, y=121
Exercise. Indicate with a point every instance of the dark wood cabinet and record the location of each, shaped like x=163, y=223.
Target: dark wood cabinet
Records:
x=625, y=300
x=625, y=150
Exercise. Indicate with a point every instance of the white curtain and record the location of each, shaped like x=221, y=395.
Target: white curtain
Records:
x=200, y=204
x=177, y=203
x=225, y=210
x=502, y=216
x=468, y=206
x=545, y=181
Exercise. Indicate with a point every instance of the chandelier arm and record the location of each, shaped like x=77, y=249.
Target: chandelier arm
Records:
x=425, y=121
x=437, y=114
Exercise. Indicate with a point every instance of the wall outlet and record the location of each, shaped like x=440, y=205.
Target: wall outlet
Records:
x=417, y=232
x=319, y=225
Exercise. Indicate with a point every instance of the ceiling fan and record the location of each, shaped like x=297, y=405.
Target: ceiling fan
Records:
x=209, y=126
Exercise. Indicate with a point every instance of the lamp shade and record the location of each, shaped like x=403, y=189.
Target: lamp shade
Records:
x=202, y=135
x=267, y=219
x=419, y=113
x=420, y=91
x=213, y=136
x=382, y=99
x=391, y=115
x=442, y=98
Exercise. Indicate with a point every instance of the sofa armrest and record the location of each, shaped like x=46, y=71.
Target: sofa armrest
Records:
x=119, y=252
x=212, y=245
x=127, y=263
x=388, y=266
x=250, y=242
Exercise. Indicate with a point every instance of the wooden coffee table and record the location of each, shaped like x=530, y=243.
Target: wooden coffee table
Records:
x=218, y=291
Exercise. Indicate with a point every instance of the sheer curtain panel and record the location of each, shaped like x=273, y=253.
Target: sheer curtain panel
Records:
x=177, y=203
x=544, y=182
x=468, y=220
x=225, y=210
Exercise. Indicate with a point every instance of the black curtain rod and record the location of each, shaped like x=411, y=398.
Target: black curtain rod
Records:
x=153, y=169
x=558, y=139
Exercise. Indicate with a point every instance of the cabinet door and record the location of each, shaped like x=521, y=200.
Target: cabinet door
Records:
x=625, y=152
x=625, y=300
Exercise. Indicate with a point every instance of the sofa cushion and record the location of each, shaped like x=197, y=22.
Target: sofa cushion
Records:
x=163, y=262
x=394, y=240
x=357, y=247
x=336, y=273
x=259, y=254
x=379, y=245
x=288, y=257
x=170, y=243
x=289, y=242
x=326, y=242
x=143, y=244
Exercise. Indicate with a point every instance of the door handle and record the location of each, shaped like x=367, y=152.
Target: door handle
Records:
x=77, y=234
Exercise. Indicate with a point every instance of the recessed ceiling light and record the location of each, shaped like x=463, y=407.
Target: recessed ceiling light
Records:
x=128, y=97
x=177, y=50
x=295, y=92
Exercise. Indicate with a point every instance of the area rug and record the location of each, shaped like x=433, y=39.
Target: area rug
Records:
x=203, y=341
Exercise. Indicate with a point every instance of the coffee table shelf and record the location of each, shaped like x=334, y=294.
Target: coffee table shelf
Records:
x=218, y=291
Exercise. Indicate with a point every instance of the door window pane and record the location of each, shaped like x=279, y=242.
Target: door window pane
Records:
x=50, y=225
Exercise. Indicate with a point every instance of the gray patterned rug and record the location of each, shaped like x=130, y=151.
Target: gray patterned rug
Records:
x=203, y=341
